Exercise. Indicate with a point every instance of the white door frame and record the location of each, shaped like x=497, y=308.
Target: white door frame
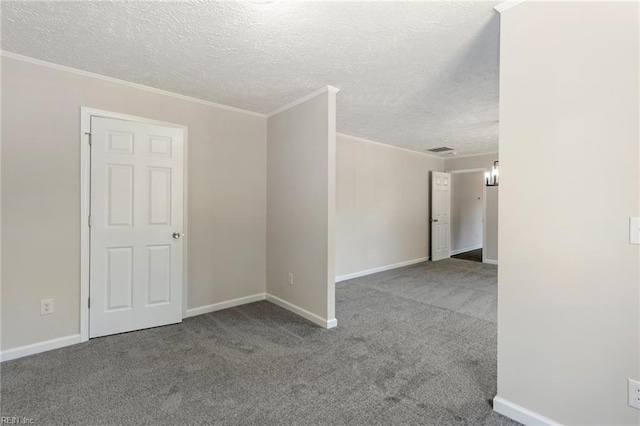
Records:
x=85, y=206
x=484, y=206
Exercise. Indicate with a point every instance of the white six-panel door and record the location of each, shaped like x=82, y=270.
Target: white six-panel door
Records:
x=440, y=215
x=136, y=226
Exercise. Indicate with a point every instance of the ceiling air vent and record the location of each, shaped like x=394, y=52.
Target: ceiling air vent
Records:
x=441, y=149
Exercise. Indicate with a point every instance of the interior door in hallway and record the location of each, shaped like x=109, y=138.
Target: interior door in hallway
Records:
x=440, y=215
x=136, y=226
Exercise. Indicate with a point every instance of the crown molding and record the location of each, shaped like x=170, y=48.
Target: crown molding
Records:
x=386, y=145
x=453, y=157
x=506, y=5
x=303, y=99
x=413, y=151
x=83, y=73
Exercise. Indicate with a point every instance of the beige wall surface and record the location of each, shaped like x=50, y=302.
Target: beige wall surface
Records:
x=382, y=205
x=41, y=195
x=483, y=162
x=301, y=206
x=568, y=282
x=491, y=251
x=466, y=211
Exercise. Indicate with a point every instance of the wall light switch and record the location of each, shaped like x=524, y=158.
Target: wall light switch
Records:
x=634, y=230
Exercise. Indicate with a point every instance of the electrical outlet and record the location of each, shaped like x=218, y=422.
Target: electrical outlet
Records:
x=290, y=278
x=634, y=394
x=46, y=306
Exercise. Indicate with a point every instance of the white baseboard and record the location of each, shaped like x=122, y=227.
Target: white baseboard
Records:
x=490, y=261
x=61, y=342
x=36, y=348
x=224, y=305
x=464, y=250
x=520, y=414
x=302, y=312
x=379, y=269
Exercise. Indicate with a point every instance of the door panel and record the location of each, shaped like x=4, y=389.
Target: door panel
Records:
x=159, y=274
x=119, y=278
x=119, y=195
x=159, y=196
x=119, y=142
x=440, y=215
x=159, y=146
x=136, y=206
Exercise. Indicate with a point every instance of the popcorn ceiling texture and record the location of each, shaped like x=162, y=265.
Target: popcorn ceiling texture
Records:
x=418, y=75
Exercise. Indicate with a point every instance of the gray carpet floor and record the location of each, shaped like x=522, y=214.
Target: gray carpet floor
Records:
x=415, y=345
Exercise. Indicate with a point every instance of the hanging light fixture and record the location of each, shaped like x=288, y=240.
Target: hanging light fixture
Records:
x=491, y=178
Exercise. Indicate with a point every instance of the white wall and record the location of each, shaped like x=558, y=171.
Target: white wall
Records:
x=568, y=282
x=301, y=206
x=382, y=205
x=484, y=161
x=492, y=225
x=466, y=211
x=41, y=195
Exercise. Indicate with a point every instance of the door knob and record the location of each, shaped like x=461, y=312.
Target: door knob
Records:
x=177, y=235
x=434, y=220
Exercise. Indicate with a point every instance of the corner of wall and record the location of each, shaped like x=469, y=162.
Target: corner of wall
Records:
x=300, y=206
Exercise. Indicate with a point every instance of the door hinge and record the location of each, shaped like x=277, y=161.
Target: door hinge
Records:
x=89, y=303
x=89, y=221
x=89, y=135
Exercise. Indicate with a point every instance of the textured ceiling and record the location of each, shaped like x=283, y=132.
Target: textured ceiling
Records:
x=413, y=74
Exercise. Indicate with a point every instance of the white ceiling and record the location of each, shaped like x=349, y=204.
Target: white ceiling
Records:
x=413, y=74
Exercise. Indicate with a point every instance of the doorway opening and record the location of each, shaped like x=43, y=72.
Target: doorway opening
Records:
x=468, y=206
x=473, y=255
